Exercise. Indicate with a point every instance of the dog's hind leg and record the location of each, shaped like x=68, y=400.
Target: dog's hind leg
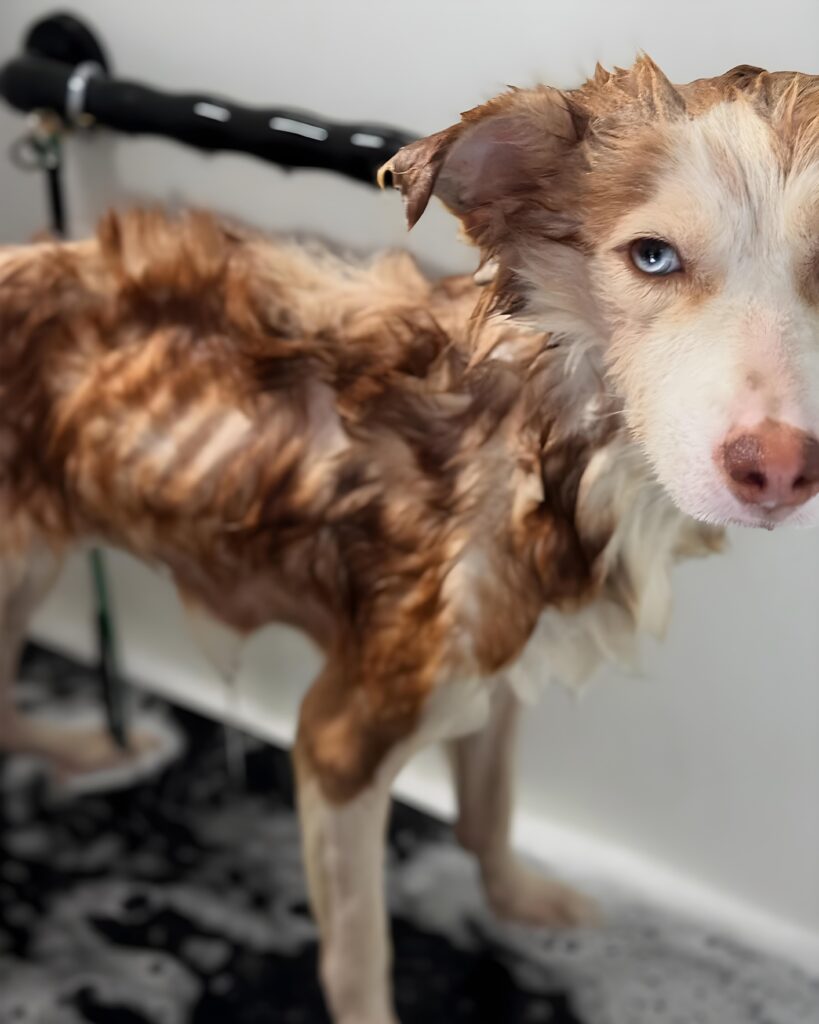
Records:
x=27, y=573
x=484, y=768
x=26, y=576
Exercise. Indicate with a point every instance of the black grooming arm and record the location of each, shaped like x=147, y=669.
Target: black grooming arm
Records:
x=286, y=137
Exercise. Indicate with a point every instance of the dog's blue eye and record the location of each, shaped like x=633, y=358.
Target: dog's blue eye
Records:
x=653, y=256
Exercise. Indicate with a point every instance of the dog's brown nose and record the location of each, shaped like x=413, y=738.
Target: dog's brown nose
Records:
x=773, y=465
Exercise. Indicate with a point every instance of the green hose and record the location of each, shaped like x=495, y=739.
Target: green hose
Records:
x=112, y=686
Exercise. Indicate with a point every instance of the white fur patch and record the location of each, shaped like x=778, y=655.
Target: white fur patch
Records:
x=649, y=530
x=228, y=436
x=219, y=643
x=567, y=649
x=454, y=709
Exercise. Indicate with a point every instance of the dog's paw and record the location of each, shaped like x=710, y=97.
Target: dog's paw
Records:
x=368, y=1019
x=76, y=752
x=70, y=746
x=517, y=893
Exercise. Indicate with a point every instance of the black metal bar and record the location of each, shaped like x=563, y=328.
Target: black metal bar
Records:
x=56, y=204
x=286, y=137
x=113, y=687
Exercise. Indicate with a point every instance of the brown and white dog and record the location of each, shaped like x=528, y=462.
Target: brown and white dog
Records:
x=441, y=502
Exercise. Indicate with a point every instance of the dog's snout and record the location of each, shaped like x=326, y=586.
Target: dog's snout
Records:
x=773, y=466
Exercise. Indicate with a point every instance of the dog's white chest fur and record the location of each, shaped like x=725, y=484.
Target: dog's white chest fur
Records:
x=567, y=648
x=648, y=536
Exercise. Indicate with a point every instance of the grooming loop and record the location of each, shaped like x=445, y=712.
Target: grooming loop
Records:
x=39, y=148
x=76, y=91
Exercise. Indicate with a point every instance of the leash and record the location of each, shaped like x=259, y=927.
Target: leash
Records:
x=40, y=149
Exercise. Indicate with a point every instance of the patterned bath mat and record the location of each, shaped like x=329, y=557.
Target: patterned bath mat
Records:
x=169, y=895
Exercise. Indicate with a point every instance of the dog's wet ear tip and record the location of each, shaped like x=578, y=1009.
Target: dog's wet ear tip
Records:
x=384, y=178
x=414, y=204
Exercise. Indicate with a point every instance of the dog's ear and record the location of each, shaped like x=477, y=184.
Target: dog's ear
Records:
x=500, y=164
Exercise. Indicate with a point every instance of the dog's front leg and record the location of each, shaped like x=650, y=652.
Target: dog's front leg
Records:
x=484, y=769
x=344, y=778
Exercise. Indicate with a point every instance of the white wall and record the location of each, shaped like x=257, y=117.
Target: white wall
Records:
x=711, y=762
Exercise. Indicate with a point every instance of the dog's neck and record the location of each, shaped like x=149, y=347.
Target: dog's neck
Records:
x=587, y=517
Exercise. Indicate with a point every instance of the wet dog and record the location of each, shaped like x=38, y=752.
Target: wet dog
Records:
x=448, y=504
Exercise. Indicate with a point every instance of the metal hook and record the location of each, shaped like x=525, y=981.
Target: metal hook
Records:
x=76, y=90
x=39, y=148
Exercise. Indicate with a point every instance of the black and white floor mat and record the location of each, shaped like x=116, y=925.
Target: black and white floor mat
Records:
x=171, y=896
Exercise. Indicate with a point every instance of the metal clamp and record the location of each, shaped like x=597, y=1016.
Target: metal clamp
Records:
x=39, y=148
x=76, y=90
